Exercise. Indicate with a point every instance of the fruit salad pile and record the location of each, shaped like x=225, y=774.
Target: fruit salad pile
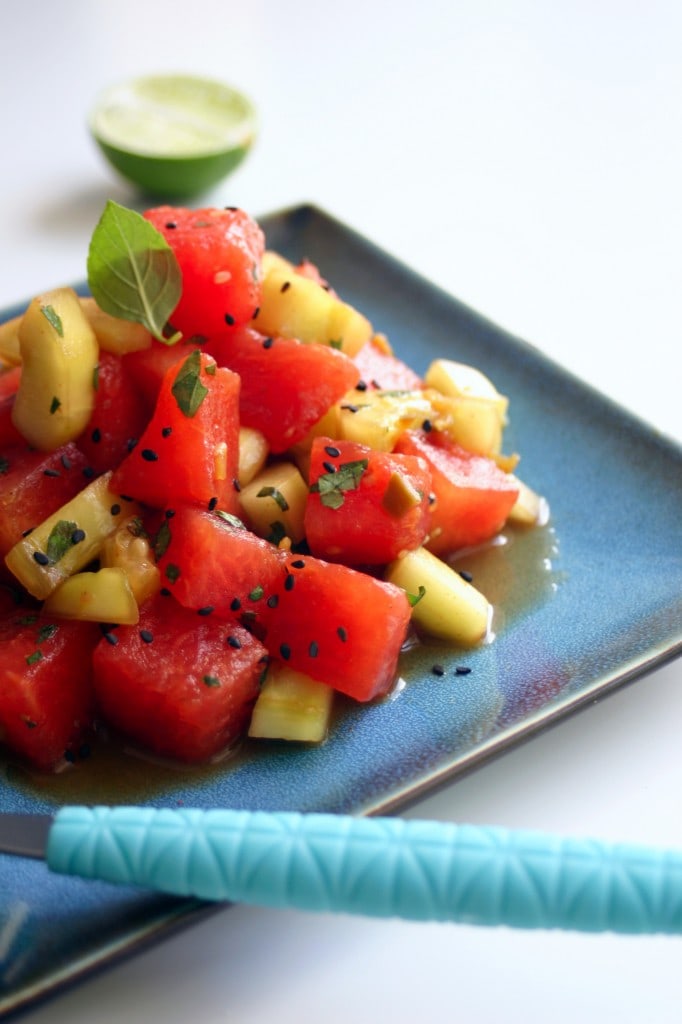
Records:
x=224, y=498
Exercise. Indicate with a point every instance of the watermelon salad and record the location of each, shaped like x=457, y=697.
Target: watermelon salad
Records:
x=224, y=499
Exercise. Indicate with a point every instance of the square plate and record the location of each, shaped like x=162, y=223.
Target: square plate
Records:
x=583, y=605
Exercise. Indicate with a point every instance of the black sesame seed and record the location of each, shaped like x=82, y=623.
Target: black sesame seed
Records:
x=342, y=633
x=438, y=670
x=229, y=320
x=256, y=312
x=96, y=435
x=427, y=425
x=361, y=386
x=329, y=467
x=350, y=408
x=286, y=286
x=115, y=509
x=51, y=472
x=41, y=558
x=111, y=638
x=66, y=462
x=77, y=536
x=237, y=486
x=88, y=472
x=235, y=604
x=169, y=513
x=212, y=504
x=285, y=651
x=165, y=592
x=149, y=455
x=462, y=670
x=298, y=564
x=289, y=582
x=166, y=432
x=268, y=343
x=131, y=443
x=146, y=636
x=206, y=610
x=171, y=225
x=272, y=601
x=235, y=642
x=313, y=648
x=332, y=451
x=466, y=575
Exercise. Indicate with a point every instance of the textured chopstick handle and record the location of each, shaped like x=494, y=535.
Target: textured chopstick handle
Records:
x=380, y=867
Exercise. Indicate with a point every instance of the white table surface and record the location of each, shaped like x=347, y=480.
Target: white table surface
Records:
x=528, y=158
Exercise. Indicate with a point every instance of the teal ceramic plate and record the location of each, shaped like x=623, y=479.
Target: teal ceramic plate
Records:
x=583, y=605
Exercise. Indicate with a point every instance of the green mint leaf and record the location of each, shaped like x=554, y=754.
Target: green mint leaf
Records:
x=276, y=495
x=227, y=517
x=46, y=632
x=132, y=271
x=416, y=598
x=277, y=533
x=60, y=539
x=53, y=317
x=187, y=389
x=331, y=486
x=163, y=539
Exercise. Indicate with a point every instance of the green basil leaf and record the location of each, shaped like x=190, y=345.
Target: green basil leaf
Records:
x=53, y=318
x=276, y=495
x=132, y=271
x=60, y=539
x=331, y=486
x=187, y=389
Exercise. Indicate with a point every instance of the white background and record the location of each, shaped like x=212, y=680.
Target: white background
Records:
x=528, y=158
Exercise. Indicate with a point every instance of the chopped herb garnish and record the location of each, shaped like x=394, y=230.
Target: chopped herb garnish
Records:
x=162, y=539
x=60, y=539
x=188, y=390
x=46, y=632
x=234, y=521
x=276, y=495
x=331, y=486
x=31, y=659
x=211, y=680
x=277, y=533
x=53, y=318
x=256, y=593
x=336, y=343
x=416, y=598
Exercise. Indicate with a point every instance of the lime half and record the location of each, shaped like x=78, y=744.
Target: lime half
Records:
x=173, y=135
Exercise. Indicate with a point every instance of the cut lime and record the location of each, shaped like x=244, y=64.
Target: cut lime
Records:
x=173, y=135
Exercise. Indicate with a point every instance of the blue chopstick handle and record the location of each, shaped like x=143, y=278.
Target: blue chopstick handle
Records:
x=382, y=867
